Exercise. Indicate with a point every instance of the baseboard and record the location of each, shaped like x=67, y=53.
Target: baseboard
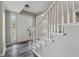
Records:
x=21, y=42
x=37, y=54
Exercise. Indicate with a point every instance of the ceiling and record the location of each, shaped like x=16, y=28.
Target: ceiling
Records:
x=35, y=6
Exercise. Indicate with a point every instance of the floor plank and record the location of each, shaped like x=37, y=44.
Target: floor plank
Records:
x=20, y=50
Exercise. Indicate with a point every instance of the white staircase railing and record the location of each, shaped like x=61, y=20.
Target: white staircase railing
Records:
x=54, y=19
x=68, y=15
x=74, y=18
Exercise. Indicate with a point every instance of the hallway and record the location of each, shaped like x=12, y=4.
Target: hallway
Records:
x=19, y=50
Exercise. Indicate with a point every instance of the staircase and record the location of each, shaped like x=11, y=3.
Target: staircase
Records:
x=58, y=15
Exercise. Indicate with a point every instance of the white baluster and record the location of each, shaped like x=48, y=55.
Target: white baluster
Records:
x=55, y=18
x=68, y=16
x=74, y=18
x=48, y=25
x=52, y=21
x=58, y=17
x=62, y=16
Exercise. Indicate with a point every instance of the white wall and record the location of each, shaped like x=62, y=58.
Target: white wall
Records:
x=67, y=46
x=23, y=20
x=2, y=29
x=1, y=34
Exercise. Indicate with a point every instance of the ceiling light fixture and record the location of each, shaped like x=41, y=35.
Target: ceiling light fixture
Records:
x=27, y=6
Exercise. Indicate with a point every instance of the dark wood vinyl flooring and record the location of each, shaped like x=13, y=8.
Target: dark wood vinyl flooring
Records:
x=20, y=50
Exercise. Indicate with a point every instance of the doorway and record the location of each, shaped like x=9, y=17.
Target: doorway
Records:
x=13, y=27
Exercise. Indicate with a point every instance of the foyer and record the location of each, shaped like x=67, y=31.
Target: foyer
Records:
x=39, y=28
